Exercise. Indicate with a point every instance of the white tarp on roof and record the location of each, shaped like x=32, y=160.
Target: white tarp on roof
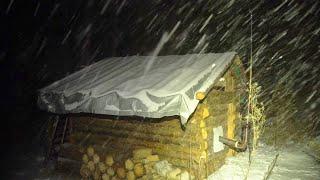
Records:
x=138, y=85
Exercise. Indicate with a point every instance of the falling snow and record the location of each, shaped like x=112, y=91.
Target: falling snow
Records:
x=48, y=40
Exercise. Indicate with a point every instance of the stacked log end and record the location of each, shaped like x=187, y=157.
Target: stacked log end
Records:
x=142, y=165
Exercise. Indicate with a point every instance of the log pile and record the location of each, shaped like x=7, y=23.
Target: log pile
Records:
x=143, y=164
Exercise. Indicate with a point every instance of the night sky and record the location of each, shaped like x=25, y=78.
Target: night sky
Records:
x=43, y=41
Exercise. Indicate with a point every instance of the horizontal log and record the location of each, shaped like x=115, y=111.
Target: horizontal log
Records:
x=187, y=140
x=139, y=134
x=101, y=138
x=142, y=127
x=119, y=142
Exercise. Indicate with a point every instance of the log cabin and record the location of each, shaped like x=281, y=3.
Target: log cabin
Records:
x=177, y=105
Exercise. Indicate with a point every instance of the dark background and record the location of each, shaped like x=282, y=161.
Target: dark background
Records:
x=43, y=41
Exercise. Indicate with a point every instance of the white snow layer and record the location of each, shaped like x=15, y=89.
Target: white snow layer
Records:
x=292, y=164
x=147, y=86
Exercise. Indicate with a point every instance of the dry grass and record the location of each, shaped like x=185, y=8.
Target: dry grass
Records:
x=256, y=114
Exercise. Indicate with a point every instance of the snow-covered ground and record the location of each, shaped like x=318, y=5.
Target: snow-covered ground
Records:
x=292, y=163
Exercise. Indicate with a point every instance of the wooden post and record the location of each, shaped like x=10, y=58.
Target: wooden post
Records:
x=230, y=86
x=231, y=125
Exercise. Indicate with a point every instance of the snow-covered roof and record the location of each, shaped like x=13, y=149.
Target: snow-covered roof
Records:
x=144, y=86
